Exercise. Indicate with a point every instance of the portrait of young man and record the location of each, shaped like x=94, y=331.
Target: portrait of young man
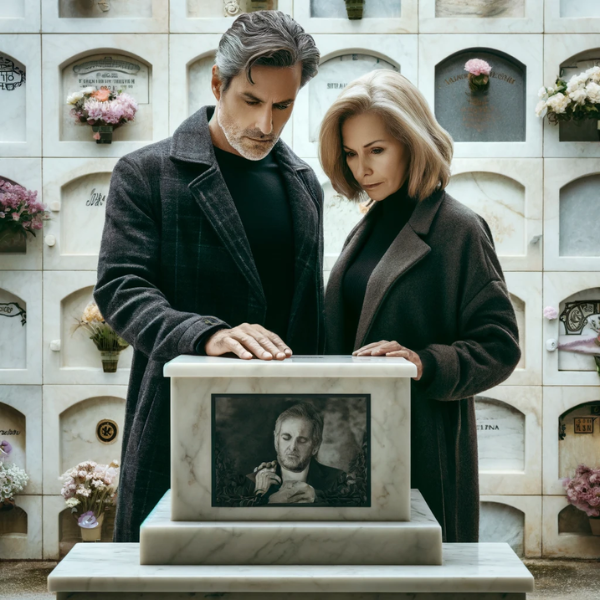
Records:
x=213, y=242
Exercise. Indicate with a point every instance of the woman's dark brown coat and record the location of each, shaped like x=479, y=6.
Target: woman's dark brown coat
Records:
x=439, y=287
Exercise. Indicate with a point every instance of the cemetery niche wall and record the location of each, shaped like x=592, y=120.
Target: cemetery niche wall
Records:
x=493, y=115
x=13, y=77
x=502, y=523
x=480, y=9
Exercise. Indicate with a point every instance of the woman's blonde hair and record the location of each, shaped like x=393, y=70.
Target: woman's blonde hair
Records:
x=407, y=117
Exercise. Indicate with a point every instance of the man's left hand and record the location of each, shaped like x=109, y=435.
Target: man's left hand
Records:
x=294, y=492
x=393, y=348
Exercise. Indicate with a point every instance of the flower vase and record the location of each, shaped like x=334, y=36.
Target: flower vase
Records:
x=13, y=239
x=479, y=83
x=7, y=504
x=93, y=534
x=103, y=133
x=110, y=360
x=595, y=525
x=354, y=9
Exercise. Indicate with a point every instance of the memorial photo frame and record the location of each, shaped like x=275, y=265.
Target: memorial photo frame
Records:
x=524, y=48
x=325, y=437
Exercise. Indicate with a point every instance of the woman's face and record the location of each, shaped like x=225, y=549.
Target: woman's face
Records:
x=378, y=161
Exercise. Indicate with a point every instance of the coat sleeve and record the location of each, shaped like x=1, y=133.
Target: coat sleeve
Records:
x=127, y=291
x=487, y=348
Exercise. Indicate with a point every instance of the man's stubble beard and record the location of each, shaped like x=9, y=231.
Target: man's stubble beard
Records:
x=234, y=135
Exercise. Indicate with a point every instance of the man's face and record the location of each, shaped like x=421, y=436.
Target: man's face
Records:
x=252, y=116
x=294, y=444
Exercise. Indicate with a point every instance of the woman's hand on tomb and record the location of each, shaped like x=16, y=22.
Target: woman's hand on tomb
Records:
x=247, y=341
x=393, y=348
x=266, y=477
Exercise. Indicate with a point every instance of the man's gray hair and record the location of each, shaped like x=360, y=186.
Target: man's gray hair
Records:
x=303, y=411
x=265, y=37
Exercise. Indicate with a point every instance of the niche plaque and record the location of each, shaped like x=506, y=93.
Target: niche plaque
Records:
x=334, y=75
x=104, y=9
x=480, y=9
x=494, y=115
x=12, y=100
x=373, y=9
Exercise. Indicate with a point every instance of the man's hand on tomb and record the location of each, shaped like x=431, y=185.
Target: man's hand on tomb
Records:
x=294, y=492
x=393, y=348
x=266, y=477
x=247, y=341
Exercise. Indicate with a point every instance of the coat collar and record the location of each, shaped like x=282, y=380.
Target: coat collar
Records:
x=407, y=249
x=192, y=143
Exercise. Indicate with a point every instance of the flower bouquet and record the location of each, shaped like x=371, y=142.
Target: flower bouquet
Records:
x=12, y=478
x=354, y=9
x=103, y=109
x=20, y=213
x=583, y=492
x=576, y=100
x=103, y=335
x=88, y=489
x=479, y=74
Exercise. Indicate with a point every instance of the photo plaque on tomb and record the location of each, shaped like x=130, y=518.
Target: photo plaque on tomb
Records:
x=493, y=115
x=12, y=99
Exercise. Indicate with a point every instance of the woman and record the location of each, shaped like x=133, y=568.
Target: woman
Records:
x=419, y=278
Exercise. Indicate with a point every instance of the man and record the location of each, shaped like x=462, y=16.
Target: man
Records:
x=296, y=476
x=213, y=242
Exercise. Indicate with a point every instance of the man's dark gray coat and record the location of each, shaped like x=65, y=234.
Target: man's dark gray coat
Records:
x=174, y=264
x=438, y=288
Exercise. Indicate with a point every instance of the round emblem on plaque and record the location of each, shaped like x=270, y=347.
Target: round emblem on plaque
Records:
x=107, y=431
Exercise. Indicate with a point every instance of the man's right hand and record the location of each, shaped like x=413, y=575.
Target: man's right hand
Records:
x=266, y=477
x=247, y=341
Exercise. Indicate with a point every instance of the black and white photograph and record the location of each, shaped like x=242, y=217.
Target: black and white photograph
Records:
x=292, y=449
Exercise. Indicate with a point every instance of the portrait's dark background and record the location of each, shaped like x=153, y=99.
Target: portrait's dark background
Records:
x=245, y=425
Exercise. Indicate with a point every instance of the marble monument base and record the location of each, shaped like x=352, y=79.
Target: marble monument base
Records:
x=113, y=572
x=414, y=542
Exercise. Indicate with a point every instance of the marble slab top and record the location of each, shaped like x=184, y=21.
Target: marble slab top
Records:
x=474, y=568
x=296, y=366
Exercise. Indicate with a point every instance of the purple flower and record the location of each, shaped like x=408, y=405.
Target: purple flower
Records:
x=5, y=449
x=87, y=520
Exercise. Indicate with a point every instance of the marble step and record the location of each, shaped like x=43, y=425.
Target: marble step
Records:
x=414, y=542
x=473, y=571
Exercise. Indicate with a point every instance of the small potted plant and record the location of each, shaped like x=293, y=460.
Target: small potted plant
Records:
x=20, y=213
x=88, y=489
x=104, y=337
x=583, y=492
x=13, y=479
x=103, y=109
x=479, y=74
x=575, y=100
x=354, y=9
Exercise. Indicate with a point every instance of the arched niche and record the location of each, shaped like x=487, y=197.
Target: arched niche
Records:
x=13, y=83
x=576, y=361
x=581, y=8
x=114, y=69
x=69, y=532
x=340, y=216
x=104, y=9
x=480, y=9
x=579, y=438
x=587, y=130
x=500, y=200
x=199, y=78
x=13, y=523
x=495, y=115
x=78, y=431
x=579, y=205
x=574, y=521
x=501, y=523
x=519, y=307
x=374, y=9
x=77, y=350
x=335, y=73
x=500, y=435
x=13, y=429
x=201, y=9
x=83, y=206
x=13, y=331
x=17, y=245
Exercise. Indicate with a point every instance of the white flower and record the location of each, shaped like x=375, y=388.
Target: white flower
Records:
x=74, y=97
x=72, y=502
x=543, y=93
x=593, y=92
x=88, y=90
x=578, y=96
x=558, y=103
x=594, y=74
x=541, y=109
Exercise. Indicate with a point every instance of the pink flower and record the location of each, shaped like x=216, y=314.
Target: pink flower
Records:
x=550, y=313
x=476, y=66
x=5, y=448
x=96, y=136
x=583, y=491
